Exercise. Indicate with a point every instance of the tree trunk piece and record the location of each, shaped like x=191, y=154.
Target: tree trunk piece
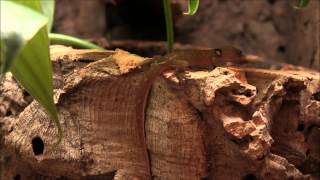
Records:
x=224, y=123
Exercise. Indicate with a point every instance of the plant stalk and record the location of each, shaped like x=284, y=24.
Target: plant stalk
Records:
x=72, y=41
x=169, y=24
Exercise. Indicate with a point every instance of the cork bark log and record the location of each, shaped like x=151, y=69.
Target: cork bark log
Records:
x=222, y=123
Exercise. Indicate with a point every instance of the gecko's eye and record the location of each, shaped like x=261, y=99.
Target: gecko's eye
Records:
x=239, y=52
x=218, y=52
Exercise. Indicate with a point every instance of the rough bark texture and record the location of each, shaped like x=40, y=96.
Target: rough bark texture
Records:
x=225, y=123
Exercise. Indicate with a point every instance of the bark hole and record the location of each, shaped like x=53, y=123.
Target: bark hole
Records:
x=225, y=72
x=249, y=177
x=199, y=114
x=271, y=1
x=106, y=176
x=17, y=177
x=37, y=146
x=308, y=152
x=242, y=91
x=281, y=49
x=9, y=113
x=316, y=96
x=300, y=127
x=243, y=142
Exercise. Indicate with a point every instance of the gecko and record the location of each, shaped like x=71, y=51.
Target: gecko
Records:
x=179, y=60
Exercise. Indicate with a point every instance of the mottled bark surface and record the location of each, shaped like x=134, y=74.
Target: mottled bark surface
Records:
x=223, y=123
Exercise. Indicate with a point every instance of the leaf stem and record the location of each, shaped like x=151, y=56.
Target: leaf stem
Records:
x=72, y=41
x=169, y=24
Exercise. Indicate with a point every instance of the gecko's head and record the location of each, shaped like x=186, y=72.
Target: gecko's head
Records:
x=228, y=54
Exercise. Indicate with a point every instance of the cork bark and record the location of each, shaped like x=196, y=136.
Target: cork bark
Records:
x=221, y=123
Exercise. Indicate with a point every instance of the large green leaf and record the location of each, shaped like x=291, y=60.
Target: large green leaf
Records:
x=33, y=4
x=192, y=7
x=11, y=44
x=18, y=25
x=48, y=10
x=45, y=7
x=30, y=64
x=32, y=68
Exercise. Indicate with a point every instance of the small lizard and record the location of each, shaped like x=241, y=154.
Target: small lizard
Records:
x=180, y=60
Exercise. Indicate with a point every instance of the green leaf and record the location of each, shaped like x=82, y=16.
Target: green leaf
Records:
x=48, y=11
x=192, y=7
x=25, y=30
x=300, y=4
x=32, y=68
x=11, y=44
x=33, y=4
x=45, y=7
x=18, y=25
